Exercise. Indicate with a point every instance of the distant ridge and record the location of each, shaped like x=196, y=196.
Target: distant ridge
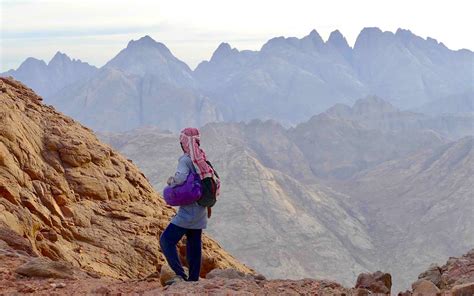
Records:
x=288, y=80
x=47, y=79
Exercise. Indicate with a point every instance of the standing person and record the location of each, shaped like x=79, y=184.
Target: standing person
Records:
x=190, y=219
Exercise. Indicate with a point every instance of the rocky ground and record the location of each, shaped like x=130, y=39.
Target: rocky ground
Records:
x=21, y=274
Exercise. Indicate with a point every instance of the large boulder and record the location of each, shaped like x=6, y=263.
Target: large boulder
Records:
x=377, y=282
x=424, y=287
x=166, y=274
x=432, y=274
x=457, y=271
x=46, y=268
x=456, y=277
x=463, y=290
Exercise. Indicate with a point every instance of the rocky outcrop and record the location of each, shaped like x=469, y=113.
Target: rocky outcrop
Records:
x=377, y=282
x=456, y=271
x=66, y=196
x=455, y=278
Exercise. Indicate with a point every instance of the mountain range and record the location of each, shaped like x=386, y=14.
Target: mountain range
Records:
x=47, y=79
x=288, y=80
x=333, y=196
x=332, y=157
x=77, y=216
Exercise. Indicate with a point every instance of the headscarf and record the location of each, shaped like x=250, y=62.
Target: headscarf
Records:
x=190, y=141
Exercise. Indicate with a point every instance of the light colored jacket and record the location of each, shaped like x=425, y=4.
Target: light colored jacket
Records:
x=192, y=216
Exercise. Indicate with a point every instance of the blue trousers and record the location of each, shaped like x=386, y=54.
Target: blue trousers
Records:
x=168, y=241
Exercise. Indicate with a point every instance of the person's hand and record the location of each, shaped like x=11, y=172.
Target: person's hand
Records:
x=170, y=179
x=209, y=212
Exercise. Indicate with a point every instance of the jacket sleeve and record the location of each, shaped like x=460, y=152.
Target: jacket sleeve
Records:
x=182, y=172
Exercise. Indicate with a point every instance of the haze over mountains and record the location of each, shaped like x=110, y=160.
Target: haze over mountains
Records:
x=334, y=196
x=146, y=85
x=76, y=214
x=47, y=79
x=316, y=181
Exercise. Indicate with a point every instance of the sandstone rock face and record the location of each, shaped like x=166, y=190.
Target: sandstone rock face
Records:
x=66, y=196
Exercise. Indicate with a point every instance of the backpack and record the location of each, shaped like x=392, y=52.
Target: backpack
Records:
x=209, y=189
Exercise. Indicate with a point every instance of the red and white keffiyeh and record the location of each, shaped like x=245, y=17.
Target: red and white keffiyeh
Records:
x=190, y=141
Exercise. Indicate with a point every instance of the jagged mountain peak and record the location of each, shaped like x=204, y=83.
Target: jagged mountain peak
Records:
x=308, y=43
x=223, y=47
x=278, y=42
x=371, y=31
x=224, y=50
x=150, y=43
x=369, y=35
x=315, y=37
x=59, y=58
x=143, y=41
x=407, y=36
x=339, y=42
x=337, y=39
x=404, y=32
x=147, y=56
x=31, y=62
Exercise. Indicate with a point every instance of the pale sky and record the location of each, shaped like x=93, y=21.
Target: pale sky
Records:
x=95, y=31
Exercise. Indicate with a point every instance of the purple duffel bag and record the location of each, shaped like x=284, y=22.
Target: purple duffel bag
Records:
x=184, y=194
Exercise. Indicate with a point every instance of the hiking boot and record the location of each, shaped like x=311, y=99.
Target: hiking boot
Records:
x=174, y=280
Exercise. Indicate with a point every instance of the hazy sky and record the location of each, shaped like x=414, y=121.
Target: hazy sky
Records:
x=95, y=31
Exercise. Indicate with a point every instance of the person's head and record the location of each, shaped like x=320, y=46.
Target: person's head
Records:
x=187, y=137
